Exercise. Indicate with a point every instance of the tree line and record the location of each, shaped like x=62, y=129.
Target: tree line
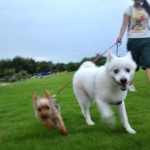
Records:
x=19, y=67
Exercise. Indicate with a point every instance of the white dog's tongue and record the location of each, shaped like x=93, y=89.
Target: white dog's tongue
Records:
x=124, y=86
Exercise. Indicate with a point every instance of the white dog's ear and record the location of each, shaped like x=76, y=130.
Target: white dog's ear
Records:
x=110, y=56
x=129, y=55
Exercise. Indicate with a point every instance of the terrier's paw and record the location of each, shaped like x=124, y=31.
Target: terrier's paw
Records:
x=63, y=131
x=49, y=124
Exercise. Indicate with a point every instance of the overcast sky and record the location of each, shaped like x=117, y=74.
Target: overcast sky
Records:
x=60, y=30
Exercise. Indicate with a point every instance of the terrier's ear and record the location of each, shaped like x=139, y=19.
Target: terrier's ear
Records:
x=110, y=56
x=129, y=55
x=35, y=98
x=47, y=94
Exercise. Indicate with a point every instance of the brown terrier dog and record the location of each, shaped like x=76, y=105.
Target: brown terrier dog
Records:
x=48, y=111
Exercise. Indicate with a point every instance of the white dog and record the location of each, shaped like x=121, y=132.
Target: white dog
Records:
x=106, y=85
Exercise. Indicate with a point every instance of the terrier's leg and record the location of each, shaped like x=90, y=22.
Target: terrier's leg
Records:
x=49, y=123
x=61, y=125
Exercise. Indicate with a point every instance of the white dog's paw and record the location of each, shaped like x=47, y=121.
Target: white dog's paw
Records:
x=90, y=122
x=109, y=120
x=129, y=129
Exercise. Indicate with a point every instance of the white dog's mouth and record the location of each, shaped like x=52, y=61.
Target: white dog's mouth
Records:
x=123, y=84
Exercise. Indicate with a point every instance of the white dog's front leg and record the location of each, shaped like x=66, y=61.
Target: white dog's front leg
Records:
x=106, y=112
x=124, y=118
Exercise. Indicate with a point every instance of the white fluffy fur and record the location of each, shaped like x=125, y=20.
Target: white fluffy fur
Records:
x=106, y=84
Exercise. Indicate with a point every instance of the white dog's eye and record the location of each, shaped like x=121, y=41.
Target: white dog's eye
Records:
x=127, y=69
x=116, y=71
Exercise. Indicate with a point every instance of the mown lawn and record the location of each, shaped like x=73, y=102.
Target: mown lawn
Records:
x=20, y=130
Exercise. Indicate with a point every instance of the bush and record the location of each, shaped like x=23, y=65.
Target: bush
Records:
x=21, y=75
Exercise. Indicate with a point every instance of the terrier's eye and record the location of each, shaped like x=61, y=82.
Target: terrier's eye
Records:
x=39, y=109
x=127, y=69
x=47, y=107
x=116, y=71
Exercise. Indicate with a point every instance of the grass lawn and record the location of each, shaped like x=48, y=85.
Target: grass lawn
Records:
x=20, y=130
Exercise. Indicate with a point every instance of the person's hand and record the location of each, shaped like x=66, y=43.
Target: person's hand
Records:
x=119, y=39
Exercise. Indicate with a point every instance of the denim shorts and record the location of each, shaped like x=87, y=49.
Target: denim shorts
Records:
x=140, y=49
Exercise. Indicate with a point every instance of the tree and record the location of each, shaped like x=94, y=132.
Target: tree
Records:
x=72, y=66
x=18, y=63
x=27, y=64
x=99, y=62
x=43, y=66
x=8, y=74
x=4, y=65
x=10, y=67
x=30, y=65
x=59, y=67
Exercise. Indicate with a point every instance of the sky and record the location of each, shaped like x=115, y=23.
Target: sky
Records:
x=60, y=31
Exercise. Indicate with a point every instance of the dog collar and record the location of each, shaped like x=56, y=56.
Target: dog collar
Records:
x=118, y=103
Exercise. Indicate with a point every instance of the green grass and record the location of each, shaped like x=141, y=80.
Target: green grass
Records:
x=20, y=130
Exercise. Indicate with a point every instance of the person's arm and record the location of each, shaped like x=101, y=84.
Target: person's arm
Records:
x=146, y=6
x=123, y=27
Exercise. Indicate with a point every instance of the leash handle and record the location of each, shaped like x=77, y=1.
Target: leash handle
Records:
x=96, y=59
x=117, y=44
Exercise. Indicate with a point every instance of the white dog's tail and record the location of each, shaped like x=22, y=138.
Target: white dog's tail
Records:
x=87, y=64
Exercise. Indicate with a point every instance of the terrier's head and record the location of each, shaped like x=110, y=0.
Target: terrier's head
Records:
x=43, y=106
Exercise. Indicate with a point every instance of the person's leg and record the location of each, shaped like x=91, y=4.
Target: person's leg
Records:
x=148, y=74
x=133, y=45
x=146, y=57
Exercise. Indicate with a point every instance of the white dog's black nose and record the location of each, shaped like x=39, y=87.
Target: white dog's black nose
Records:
x=123, y=80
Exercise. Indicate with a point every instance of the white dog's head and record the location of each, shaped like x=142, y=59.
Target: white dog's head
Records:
x=121, y=69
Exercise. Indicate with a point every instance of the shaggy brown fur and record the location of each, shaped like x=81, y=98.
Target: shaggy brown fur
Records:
x=48, y=111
